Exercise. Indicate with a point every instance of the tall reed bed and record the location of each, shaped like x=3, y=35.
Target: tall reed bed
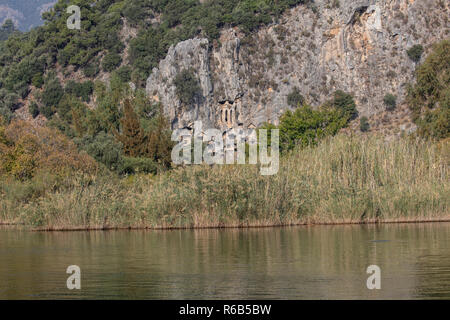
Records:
x=343, y=180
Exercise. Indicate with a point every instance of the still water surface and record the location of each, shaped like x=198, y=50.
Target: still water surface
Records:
x=320, y=262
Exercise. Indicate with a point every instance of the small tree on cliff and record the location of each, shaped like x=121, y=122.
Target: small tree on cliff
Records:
x=187, y=87
x=295, y=98
x=160, y=143
x=345, y=103
x=364, y=124
x=133, y=137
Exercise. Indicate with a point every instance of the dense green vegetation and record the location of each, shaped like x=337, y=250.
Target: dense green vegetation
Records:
x=295, y=98
x=124, y=129
x=26, y=58
x=102, y=131
x=80, y=90
x=390, y=101
x=415, y=52
x=342, y=180
x=34, y=109
x=429, y=97
x=9, y=102
x=364, y=124
x=187, y=87
x=306, y=126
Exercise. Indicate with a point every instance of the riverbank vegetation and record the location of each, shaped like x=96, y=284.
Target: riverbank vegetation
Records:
x=100, y=156
x=344, y=179
x=429, y=97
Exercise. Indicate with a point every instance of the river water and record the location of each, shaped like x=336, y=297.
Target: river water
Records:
x=318, y=262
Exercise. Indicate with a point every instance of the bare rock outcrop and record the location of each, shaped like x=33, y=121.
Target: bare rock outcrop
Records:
x=356, y=46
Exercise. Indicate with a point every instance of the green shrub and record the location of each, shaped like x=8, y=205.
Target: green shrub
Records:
x=5, y=114
x=81, y=90
x=38, y=80
x=138, y=165
x=435, y=123
x=124, y=73
x=187, y=87
x=111, y=61
x=52, y=95
x=390, y=101
x=9, y=100
x=103, y=148
x=364, y=124
x=47, y=111
x=136, y=12
x=306, y=126
x=34, y=109
x=429, y=97
x=23, y=91
x=295, y=98
x=345, y=103
x=92, y=69
x=19, y=75
x=147, y=49
x=415, y=52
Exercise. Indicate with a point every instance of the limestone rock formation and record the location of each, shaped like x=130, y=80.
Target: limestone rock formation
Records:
x=356, y=46
x=191, y=54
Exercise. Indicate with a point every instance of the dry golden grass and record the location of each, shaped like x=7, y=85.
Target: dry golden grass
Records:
x=343, y=180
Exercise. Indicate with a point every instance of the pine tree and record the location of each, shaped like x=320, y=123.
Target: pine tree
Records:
x=160, y=143
x=7, y=29
x=133, y=137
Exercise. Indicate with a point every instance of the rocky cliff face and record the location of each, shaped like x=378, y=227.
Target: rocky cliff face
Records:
x=356, y=46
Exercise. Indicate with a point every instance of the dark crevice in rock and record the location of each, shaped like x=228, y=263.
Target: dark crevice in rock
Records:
x=356, y=14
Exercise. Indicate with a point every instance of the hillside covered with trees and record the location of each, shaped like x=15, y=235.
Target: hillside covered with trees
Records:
x=37, y=66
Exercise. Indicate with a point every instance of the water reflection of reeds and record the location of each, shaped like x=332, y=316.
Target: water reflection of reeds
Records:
x=296, y=262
